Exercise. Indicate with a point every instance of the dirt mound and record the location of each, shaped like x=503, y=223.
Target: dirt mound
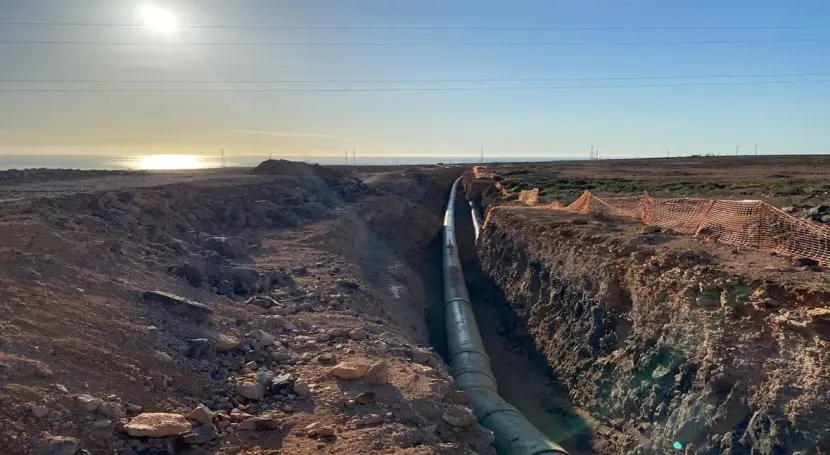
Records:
x=222, y=308
x=669, y=340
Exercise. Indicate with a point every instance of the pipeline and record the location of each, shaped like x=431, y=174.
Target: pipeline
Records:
x=469, y=363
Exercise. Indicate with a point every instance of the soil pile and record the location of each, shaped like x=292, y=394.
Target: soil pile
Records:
x=271, y=314
x=670, y=341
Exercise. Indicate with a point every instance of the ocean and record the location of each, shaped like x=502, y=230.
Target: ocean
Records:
x=88, y=162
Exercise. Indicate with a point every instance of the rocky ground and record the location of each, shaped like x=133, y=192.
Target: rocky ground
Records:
x=670, y=343
x=280, y=312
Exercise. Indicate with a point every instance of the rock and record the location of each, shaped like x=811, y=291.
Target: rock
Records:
x=262, y=301
x=61, y=388
x=190, y=273
x=365, y=398
x=226, y=343
x=317, y=429
x=283, y=383
x=350, y=370
x=322, y=337
x=232, y=247
x=802, y=262
x=302, y=389
x=201, y=348
x=201, y=414
x=265, y=377
x=358, y=334
x=224, y=287
x=40, y=411
x=819, y=209
x=162, y=357
x=300, y=271
x=245, y=281
x=251, y=390
x=133, y=408
x=88, y=403
x=459, y=397
x=112, y=410
x=196, y=311
x=326, y=358
x=264, y=337
x=458, y=416
x=378, y=374
x=251, y=366
x=258, y=424
x=337, y=333
x=58, y=445
x=200, y=435
x=825, y=219
x=157, y=425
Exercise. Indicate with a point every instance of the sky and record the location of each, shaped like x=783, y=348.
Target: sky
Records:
x=584, y=93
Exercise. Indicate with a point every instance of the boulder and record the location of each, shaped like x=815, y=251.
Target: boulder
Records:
x=190, y=273
x=282, y=384
x=378, y=373
x=358, y=334
x=157, y=425
x=258, y=424
x=262, y=301
x=245, y=281
x=251, y=390
x=350, y=370
x=88, y=403
x=201, y=414
x=196, y=311
x=226, y=343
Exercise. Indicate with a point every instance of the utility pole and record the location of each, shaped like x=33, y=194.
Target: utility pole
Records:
x=482, y=155
x=737, y=148
x=347, y=157
x=756, y=149
x=591, y=153
x=222, y=160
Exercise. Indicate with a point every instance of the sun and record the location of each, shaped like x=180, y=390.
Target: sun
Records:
x=158, y=19
x=169, y=162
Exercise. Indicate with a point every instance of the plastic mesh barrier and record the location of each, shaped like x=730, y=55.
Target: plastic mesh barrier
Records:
x=755, y=224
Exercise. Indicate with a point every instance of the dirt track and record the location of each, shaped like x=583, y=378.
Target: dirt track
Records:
x=316, y=269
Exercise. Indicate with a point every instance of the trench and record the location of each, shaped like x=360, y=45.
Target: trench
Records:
x=524, y=377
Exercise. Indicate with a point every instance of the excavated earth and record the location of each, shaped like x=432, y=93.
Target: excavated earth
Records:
x=276, y=312
x=664, y=342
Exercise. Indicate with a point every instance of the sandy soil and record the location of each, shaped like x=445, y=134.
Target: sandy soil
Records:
x=311, y=274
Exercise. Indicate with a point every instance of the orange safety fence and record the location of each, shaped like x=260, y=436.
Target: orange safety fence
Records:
x=755, y=224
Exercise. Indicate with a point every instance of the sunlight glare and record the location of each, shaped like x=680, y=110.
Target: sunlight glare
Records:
x=170, y=162
x=158, y=19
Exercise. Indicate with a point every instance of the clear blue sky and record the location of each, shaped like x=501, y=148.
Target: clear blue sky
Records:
x=644, y=121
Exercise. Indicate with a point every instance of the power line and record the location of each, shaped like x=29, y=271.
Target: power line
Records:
x=407, y=89
x=382, y=81
x=413, y=44
x=423, y=27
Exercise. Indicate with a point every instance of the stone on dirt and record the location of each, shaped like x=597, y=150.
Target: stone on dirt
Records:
x=157, y=425
x=317, y=429
x=190, y=273
x=350, y=370
x=358, y=334
x=199, y=312
x=251, y=390
x=262, y=301
x=201, y=414
x=226, y=343
x=112, y=410
x=378, y=373
x=301, y=388
x=283, y=383
x=40, y=410
x=58, y=445
x=459, y=416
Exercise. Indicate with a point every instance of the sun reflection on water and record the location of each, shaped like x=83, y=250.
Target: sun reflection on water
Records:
x=170, y=162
